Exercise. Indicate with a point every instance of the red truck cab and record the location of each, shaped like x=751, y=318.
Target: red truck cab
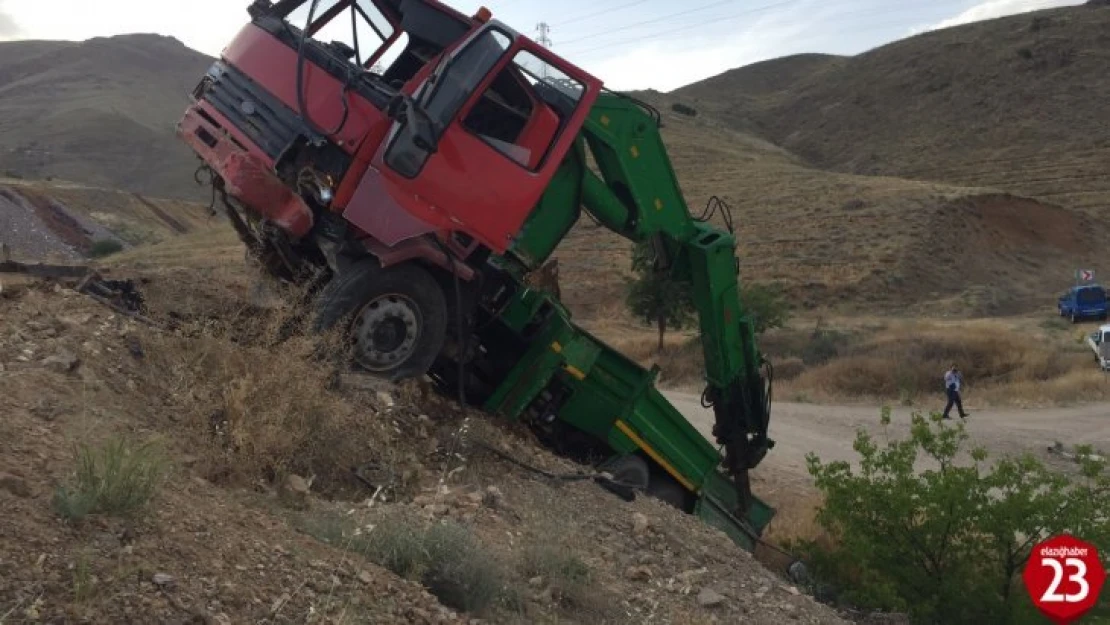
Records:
x=294, y=125
x=397, y=133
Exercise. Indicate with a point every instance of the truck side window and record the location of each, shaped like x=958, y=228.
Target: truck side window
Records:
x=524, y=110
x=461, y=75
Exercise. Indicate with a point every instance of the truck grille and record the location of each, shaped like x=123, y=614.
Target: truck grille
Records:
x=269, y=123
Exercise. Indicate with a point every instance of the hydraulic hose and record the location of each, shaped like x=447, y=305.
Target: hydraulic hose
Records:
x=300, y=82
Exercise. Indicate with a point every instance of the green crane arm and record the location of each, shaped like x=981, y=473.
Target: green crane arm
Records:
x=638, y=196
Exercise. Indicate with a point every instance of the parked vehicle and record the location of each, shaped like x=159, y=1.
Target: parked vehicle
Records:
x=1083, y=302
x=1099, y=342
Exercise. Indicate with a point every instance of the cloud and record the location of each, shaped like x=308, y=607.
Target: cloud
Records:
x=990, y=9
x=8, y=25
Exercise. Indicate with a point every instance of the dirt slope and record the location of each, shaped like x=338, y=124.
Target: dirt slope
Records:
x=227, y=540
x=100, y=112
x=1012, y=103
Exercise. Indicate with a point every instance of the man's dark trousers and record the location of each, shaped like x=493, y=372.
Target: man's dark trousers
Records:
x=953, y=398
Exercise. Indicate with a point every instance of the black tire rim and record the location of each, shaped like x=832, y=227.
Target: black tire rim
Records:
x=385, y=332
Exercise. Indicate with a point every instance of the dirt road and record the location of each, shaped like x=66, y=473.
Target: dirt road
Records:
x=829, y=431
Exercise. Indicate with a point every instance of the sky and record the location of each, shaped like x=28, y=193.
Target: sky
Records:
x=630, y=44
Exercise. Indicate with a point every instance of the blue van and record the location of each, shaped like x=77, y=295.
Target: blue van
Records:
x=1083, y=302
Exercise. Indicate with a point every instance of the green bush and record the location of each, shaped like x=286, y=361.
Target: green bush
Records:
x=104, y=247
x=823, y=346
x=946, y=544
x=117, y=479
x=767, y=306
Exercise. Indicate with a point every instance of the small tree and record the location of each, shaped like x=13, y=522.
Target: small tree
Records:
x=767, y=306
x=947, y=544
x=656, y=297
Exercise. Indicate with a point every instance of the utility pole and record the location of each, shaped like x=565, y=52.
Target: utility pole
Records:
x=544, y=39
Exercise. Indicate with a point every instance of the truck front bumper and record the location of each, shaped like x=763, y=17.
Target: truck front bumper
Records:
x=246, y=175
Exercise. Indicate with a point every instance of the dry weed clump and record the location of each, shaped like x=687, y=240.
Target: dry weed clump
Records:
x=571, y=581
x=446, y=557
x=256, y=394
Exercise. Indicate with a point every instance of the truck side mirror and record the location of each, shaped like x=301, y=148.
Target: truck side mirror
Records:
x=415, y=137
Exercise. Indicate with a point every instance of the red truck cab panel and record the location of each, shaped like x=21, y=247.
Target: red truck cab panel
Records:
x=473, y=182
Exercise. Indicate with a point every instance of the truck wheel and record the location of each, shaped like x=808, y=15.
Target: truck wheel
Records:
x=629, y=470
x=396, y=317
x=666, y=489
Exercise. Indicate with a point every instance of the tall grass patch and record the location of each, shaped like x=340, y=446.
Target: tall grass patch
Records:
x=117, y=478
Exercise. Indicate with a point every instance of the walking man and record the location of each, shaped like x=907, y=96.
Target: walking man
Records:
x=953, y=380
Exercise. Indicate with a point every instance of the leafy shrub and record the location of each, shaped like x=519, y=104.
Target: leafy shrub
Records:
x=105, y=247
x=118, y=479
x=823, y=346
x=767, y=306
x=946, y=544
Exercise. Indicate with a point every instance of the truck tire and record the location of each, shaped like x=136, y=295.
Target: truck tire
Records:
x=666, y=489
x=630, y=470
x=395, y=318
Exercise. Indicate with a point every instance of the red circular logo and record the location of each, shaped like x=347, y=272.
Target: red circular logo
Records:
x=1064, y=577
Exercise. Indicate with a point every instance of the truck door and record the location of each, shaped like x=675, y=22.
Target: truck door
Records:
x=483, y=136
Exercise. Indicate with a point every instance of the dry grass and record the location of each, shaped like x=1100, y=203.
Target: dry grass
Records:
x=905, y=363
x=259, y=405
x=1016, y=362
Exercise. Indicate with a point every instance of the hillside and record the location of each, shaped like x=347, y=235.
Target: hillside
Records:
x=1015, y=103
x=275, y=496
x=849, y=242
x=946, y=171
x=101, y=112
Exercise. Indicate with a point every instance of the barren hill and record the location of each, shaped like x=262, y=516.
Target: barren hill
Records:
x=1016, y=103
x=101, y=112
x=852, y=242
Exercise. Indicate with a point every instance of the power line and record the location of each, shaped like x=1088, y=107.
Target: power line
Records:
x=711, y=21
x=699, y=24
x=832, y=19
x=651, y=21
x=601, y=12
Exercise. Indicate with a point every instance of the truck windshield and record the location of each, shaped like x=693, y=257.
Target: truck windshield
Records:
x=1091, y=296
x=356, y=25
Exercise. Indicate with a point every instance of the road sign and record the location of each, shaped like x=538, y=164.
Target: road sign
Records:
x=1064, y=577
x=1086, y=275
